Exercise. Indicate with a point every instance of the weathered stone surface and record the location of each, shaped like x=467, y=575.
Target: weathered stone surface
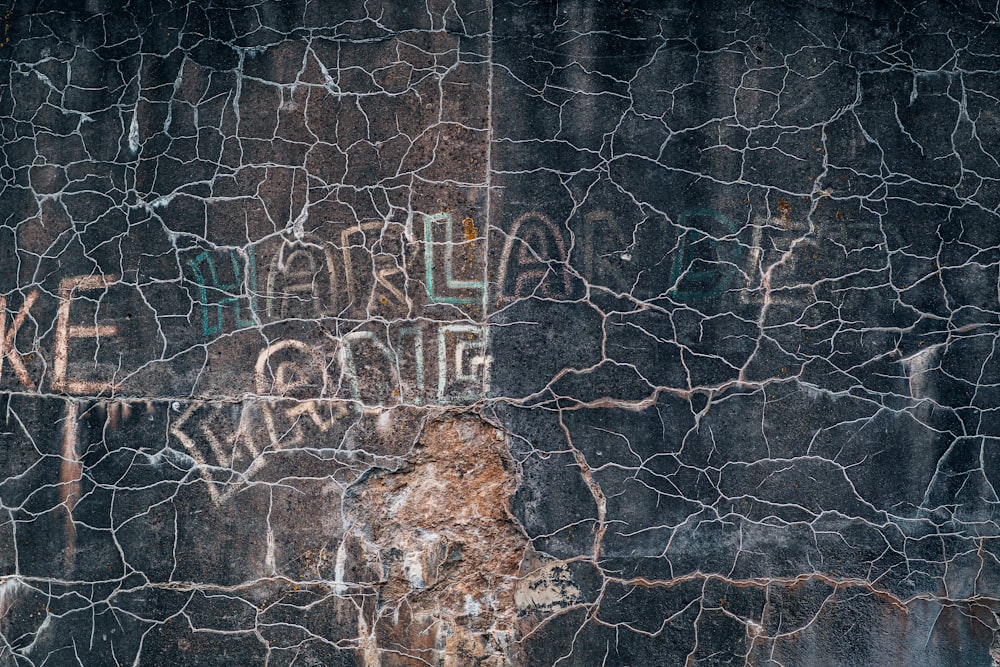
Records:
x=494, y=333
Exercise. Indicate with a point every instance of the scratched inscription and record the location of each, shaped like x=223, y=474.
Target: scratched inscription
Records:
x=495, y=333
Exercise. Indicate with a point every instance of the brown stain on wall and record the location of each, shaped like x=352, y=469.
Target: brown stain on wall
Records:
x=469, y=229
x=441, y=550
x=785, y=213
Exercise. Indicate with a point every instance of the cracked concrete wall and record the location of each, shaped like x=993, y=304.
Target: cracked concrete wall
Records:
x=493, y=333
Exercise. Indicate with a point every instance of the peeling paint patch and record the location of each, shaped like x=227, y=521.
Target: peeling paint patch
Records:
x=133, y=133
x=10, y=588
x=547, y=589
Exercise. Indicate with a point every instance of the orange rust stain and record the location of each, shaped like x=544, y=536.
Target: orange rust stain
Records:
x=785, y=212
x=469, y=229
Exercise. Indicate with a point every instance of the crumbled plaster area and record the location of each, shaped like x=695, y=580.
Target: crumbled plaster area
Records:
x=441, y=549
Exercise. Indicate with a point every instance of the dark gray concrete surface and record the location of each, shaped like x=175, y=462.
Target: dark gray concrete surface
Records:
x=493, y=333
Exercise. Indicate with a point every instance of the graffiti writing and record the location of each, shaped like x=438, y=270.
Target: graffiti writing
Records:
x=534, y=260
x=705, y=261
x=66, y=377
x=238, y=295
x=450, y=288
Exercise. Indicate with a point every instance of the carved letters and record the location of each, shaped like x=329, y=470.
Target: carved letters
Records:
x=99, y=379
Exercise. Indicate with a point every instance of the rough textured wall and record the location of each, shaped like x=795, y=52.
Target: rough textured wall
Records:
x=471, y=333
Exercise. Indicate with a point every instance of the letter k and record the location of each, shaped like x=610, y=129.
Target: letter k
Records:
x=7, y=338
